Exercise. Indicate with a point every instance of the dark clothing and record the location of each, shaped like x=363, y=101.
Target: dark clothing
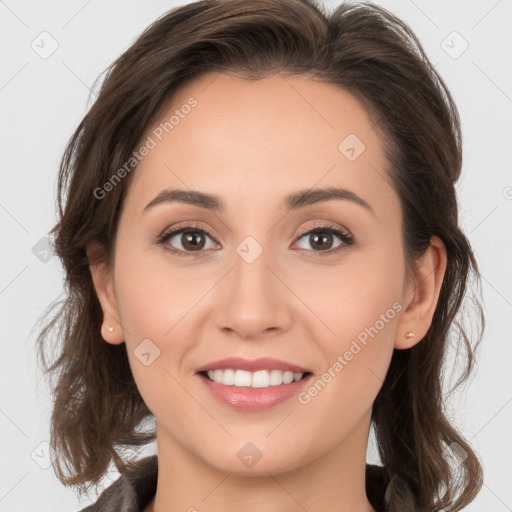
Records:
x=133, y=491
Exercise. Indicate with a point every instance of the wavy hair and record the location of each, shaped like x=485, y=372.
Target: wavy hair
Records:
x=360, y=48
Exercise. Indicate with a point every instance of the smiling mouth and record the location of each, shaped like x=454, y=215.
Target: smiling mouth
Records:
x=257, y=380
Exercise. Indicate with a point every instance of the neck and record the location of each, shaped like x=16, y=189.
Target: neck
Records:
x=333, y=482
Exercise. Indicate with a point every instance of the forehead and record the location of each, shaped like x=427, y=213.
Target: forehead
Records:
x=261, y=140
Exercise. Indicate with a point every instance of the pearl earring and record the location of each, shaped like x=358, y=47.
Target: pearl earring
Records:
x=409, y=334
x=110, y=328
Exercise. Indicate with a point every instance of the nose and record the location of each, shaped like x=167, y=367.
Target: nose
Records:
x=253, y=301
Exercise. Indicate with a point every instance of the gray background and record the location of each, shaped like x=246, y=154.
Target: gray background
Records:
x=43, y=98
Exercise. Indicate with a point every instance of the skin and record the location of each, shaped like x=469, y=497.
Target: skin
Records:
x=252, y=143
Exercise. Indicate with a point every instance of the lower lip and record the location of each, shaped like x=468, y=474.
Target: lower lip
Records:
x=253, y=399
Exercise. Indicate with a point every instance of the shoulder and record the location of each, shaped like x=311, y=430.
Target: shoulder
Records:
x=132, y=491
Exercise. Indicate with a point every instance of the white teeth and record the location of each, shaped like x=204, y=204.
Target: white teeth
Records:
x=228, y=377
x=287, y=377
x=258, y=379
x=276, y=377
x=242, y=378
x=217, y=375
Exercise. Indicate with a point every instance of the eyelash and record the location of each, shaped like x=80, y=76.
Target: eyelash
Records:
x=344, y=236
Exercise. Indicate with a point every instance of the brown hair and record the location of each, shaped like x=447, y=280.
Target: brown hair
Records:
x=364, y=50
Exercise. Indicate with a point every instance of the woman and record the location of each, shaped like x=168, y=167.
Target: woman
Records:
x=258, y=224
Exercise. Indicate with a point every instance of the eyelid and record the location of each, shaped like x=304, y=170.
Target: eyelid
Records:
x=344, y=235
x=324, y=224
x=188, y=225
x=199, y=226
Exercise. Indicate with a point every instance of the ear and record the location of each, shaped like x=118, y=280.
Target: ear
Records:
x=422, y=294
x=103, y=281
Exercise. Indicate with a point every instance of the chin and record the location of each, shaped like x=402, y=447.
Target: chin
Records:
x=256, y=457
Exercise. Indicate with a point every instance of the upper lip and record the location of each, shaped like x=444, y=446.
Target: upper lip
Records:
x=251, y=365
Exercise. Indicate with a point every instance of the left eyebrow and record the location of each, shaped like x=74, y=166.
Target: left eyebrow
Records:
x=308, y=197
x=293, y=201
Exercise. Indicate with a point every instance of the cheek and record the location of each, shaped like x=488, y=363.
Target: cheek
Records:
x=352, y=296
x=156, y=304
x=151, y=297
x=359, y=306
x=357, y=358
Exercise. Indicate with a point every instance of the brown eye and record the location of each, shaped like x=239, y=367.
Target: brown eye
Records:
x=321, y=239
x=192, y=240
x=186, y=240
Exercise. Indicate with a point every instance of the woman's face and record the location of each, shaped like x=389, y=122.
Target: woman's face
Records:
x=248, y=280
